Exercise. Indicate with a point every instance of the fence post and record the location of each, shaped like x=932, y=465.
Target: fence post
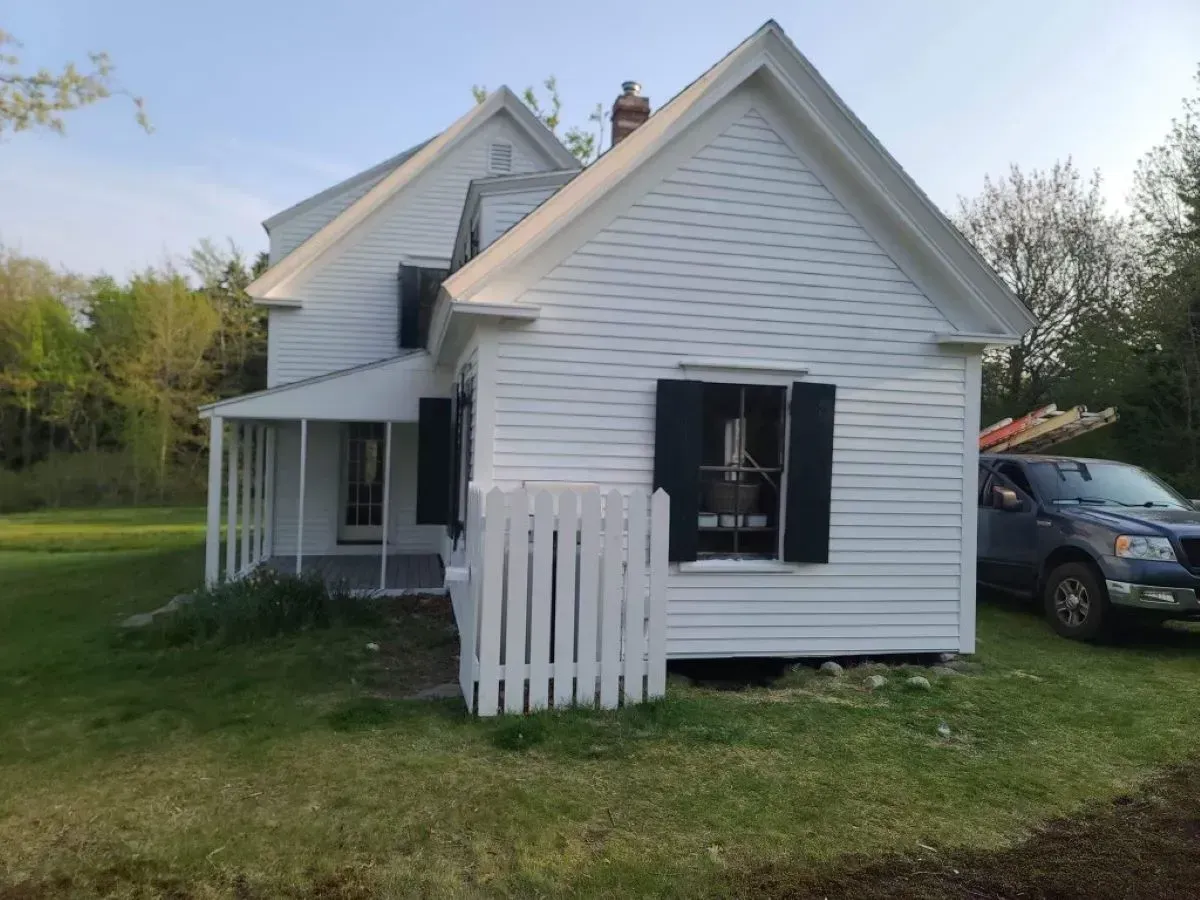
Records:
x=564, y=600
x=589, y=605
x=656, y=637
x=468, y=622
x=516, y=602
x=635, y=599
x=610, y=615
x=539, y=600
x=491, y=598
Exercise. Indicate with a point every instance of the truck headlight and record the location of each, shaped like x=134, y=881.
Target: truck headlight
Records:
x=1134, y=546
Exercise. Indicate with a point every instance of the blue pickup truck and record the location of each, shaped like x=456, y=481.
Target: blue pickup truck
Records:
x=1091, y=539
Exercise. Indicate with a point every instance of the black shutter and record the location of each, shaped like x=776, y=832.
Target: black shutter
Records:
x=809, y=473
x=433, y=461
x=410, y=307
x=677, y=460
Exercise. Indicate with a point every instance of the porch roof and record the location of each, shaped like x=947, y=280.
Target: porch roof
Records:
x=385, y=391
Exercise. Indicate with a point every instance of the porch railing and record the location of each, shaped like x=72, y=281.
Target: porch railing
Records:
x=562, y=599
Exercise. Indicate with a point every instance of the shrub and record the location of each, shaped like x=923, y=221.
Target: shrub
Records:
x=99, y=478
x=263, y=605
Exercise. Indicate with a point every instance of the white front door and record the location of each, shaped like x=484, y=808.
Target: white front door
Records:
x=361, y=517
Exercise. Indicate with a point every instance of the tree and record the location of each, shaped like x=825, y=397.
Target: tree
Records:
x=38, y=99
x=41, y=358
x=156, y=334
x=1049, y=237
x=239, y=353
x=1161, y=409
x=582, y=142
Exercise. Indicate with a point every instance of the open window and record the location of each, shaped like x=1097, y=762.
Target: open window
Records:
x=741, y=469
x=419, y=287
x=748, y=468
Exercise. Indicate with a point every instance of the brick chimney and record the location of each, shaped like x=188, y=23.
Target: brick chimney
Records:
x=629, y=111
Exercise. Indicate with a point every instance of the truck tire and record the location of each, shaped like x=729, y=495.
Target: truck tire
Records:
x=1076, y=602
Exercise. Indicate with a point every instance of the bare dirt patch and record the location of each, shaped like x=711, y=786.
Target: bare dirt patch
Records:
x=418, y=647
x=1137, y=846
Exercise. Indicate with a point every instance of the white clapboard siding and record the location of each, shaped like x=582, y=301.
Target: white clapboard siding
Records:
x=500, y=212
x=350, y=311
x=322, y=492
x=743, y=253
x=535, y=635
x=304, y=223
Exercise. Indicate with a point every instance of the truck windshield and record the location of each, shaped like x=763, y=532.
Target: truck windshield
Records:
x=1074, y=481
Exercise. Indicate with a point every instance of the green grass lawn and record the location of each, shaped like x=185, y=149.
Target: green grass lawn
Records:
x=274, y=769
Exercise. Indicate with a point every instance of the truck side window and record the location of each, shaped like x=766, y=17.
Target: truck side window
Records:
x=1016, y=475
x=985, y=495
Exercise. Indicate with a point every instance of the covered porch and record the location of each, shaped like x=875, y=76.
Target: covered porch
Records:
x=319, y=477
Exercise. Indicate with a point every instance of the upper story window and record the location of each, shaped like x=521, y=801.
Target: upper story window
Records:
x=419, y=286
x=500, y=158
x=473, y=240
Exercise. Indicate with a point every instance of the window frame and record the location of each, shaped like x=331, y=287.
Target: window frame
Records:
x=463, y=448
x=704, y=557
x=347, y=534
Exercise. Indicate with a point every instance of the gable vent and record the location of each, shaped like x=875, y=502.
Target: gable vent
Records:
x=500, y=157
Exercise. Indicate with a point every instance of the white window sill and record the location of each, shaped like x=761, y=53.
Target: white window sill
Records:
x=740, y=566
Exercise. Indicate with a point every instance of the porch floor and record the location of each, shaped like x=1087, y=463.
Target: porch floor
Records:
x=405, y=571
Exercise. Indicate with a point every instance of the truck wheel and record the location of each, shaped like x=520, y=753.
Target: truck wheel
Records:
x=1076, y=602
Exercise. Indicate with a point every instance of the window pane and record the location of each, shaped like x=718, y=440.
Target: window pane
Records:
x=764, y=426
x=719, y=424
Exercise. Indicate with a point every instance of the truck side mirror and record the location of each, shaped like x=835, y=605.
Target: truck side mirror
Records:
x=1005, y=498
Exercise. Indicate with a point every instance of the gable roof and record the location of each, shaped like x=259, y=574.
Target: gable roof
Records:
x=509, y=266
x=375, y=171
x=269, y=286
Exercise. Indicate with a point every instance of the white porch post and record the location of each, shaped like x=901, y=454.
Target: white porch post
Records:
x=212, y=531
x=232, y=504
x=300, y=502
x=260, y=480
x=247, y=507
x=269, y=496
x=387, y=488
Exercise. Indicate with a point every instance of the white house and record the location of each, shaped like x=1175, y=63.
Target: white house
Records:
x=745, y=302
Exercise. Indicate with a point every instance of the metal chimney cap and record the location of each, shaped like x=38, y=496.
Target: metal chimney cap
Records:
x=631, y=88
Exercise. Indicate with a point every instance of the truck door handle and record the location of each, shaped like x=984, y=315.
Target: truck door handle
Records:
x=1044, y=523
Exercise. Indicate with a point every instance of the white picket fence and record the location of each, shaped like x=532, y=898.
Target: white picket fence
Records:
x=564, y=600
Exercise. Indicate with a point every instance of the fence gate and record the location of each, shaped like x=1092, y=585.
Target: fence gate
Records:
x=565, y=599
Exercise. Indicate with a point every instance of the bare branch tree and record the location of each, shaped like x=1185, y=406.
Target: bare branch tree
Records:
x=1049, y=237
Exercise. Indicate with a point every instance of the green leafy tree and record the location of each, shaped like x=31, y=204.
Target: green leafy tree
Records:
x=39, y=98
x=584, y=143
x=239, y=353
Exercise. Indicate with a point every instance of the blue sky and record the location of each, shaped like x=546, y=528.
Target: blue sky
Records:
x=257, y=105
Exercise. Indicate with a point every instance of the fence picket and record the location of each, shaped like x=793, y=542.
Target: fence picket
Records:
x=516, y=602
x=467, y=609
x=635, y=599
x=491, y=601
x=595, y=604
x=588, y=608
x=612, y=590
x=656, y=632
x=539, y=600
x=564, y=599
